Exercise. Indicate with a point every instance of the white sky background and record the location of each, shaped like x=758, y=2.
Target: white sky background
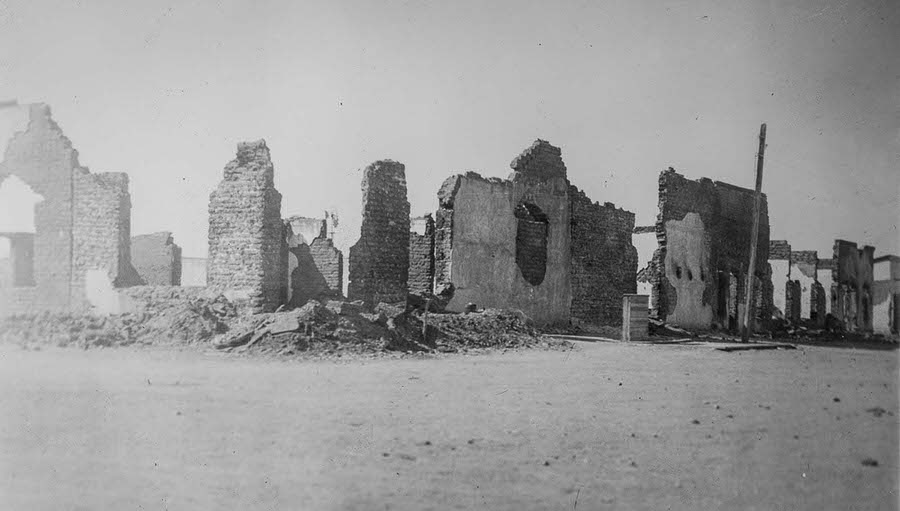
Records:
x=165, y=90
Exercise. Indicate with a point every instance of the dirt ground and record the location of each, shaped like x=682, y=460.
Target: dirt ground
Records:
x=606, y=426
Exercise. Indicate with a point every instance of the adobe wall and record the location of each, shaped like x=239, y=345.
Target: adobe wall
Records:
x=704, y=230
x=421, y=255
x=379, y=260
x=604, y=261
x=247, y=250
x=82, y=226
x=157, y=259
x=478, y=238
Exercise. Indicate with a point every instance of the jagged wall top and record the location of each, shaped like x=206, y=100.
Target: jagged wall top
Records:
x=541, y=160
x=253, y=163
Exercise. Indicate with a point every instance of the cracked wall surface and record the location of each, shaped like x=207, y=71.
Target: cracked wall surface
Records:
x=704, y=233
x=247, y=249
x=379, y=260
x=476, y=237
x=81, y=243
x=157, y=259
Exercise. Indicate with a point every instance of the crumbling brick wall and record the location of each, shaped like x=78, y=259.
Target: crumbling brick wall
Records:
x=157, y=259
x=476, y=233
x=247, y=250
x=315, y=266
x=379, y=261
x=82, y=225
x=421, y=255
x=704, y=230
x=604, y=261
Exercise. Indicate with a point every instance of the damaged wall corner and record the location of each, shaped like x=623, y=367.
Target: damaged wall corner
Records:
x=246, y=234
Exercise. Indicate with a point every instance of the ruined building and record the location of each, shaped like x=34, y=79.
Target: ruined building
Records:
x=79, y=249
x=421, y=255
x=851, y=288
x=157, y=259
x=886, y=295
x=797, y=292
x=315, y=266
x=247, y=249
x=704, y=233
x=533, y=242
x=379, y=261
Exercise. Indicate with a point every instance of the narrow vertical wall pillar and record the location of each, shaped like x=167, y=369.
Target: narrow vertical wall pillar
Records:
x=246, y=233
x=379, y=261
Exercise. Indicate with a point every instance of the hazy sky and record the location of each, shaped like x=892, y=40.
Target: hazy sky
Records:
x=165, y=90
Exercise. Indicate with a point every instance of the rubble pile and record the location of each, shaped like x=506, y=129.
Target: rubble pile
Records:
x=183, y=320
x=337, y=327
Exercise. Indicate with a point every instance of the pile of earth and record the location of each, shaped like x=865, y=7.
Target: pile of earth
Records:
x=338, y=327
x=179, y=320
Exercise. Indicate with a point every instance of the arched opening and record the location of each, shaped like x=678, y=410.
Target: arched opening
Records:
x=531, y=242
x=17, y=231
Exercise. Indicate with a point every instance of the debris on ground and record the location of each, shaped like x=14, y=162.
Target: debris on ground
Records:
x=326, y=328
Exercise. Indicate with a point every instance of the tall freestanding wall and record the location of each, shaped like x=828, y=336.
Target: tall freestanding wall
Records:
x=247, y=249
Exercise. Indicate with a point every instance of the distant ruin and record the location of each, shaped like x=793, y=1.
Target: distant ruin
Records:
x=157, y=259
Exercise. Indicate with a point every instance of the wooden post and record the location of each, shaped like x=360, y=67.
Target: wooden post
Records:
x=754, y=238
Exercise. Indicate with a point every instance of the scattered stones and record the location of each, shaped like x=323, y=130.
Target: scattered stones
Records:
x=870, y=462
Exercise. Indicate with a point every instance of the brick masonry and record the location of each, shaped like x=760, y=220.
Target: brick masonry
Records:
x=82, y=226
x=421, y=255
x=247, y=249
x=379, y=261
x=704, y=229
x=604, y=261
x=157, y=259
x=315, y=266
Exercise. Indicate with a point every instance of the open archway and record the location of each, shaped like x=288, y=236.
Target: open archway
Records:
x=531, y=242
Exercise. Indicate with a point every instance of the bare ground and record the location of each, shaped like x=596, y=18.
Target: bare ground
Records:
x=607, y=426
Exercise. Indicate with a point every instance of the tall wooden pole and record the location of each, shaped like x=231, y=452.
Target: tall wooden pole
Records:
x=754, y=238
